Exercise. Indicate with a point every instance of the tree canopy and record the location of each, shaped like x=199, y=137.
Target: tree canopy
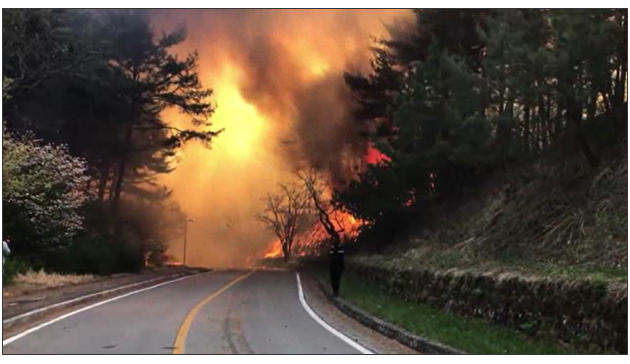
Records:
x=467, y=92
x=93, y=86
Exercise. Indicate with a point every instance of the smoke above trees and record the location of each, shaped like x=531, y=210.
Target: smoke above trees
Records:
x=281, y=97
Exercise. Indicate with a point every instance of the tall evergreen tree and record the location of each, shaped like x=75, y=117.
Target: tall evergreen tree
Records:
x=450, y=103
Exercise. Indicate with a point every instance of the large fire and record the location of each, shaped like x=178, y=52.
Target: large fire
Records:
x=277, y=76
x=310, y=241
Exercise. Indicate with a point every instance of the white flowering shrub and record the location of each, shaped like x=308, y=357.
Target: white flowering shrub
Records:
x=43, y=188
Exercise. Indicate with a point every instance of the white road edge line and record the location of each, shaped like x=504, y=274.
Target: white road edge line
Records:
x=323, y=323
x=38, y=327
x=43, y=309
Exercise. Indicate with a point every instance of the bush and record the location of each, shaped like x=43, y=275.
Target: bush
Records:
x=106, y=246
x=43, y=188
x=14, y=266
x=93, y=254
x=156, y=259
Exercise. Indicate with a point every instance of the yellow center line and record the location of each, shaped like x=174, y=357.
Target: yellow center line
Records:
x=180, y=339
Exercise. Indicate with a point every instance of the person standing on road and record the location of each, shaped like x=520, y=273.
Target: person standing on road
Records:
x=5, y=253
x=336, y=267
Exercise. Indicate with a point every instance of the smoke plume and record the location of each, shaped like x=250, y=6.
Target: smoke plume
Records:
x=280, y=95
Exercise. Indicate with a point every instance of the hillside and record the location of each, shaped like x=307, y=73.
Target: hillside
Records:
x=546, y=218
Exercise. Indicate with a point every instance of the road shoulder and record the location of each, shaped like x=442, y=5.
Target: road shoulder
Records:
x=22, y=312
x=353, y=329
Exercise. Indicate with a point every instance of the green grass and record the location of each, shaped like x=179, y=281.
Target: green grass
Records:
x=471, y=335
x=596, y=273
x=443, y=260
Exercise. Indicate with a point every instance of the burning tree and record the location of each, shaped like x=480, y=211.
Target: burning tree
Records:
x=286, y=211
x=326, y=212
x=324, y=221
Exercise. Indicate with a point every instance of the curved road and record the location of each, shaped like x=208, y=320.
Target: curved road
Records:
x=222, y=312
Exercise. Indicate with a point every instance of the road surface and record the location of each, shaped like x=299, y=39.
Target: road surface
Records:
x=221, y=312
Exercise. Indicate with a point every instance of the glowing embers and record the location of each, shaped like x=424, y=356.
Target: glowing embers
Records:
x=374, y=156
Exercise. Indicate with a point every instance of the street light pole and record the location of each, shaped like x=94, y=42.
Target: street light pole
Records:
x=185, y=236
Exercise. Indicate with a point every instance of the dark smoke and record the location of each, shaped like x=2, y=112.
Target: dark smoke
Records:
x=290, y=65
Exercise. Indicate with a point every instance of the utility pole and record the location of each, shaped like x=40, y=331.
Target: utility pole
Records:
x=185, y=236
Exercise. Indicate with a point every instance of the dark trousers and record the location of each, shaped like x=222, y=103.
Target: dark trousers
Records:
x=335, y=280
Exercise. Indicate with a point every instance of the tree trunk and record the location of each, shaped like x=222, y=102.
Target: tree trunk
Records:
x=103, y=178
x=286, y=251
x=546, y=122
x=88, y=186
x=574, y=117
x=505, y=132
x=592, y=104
x=122, y=166
x=119, y=180
x=120, y=176
x=110, y=190
x=526, y=130
x=620, y=84
x=537, y=132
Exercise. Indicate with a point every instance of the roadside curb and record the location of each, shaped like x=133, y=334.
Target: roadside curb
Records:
x=37, y=313
x=393, y=332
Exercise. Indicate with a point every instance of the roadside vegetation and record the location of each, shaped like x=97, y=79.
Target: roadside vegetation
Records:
x=50, y=280
x=85, y=140
x=506, y=146
x=506, y=139
x=470, y=335
x=543, y=220
x=22, y=279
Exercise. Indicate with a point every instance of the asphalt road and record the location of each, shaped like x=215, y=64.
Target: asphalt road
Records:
x=222, y=312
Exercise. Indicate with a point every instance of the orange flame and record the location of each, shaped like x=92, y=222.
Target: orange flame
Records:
x=310, y=241
x=374, y=156
x=274, y=251
x=270, y=73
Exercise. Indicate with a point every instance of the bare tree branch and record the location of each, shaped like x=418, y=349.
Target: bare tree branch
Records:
x=284, y=212
x=316, y=187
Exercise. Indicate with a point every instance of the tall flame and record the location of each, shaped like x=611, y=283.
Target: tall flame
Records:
x=277, y=76
x=274, y=251
x=309, y=242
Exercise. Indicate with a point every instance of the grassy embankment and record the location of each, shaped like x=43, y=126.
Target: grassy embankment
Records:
x=562, y=221
x=473, y=336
